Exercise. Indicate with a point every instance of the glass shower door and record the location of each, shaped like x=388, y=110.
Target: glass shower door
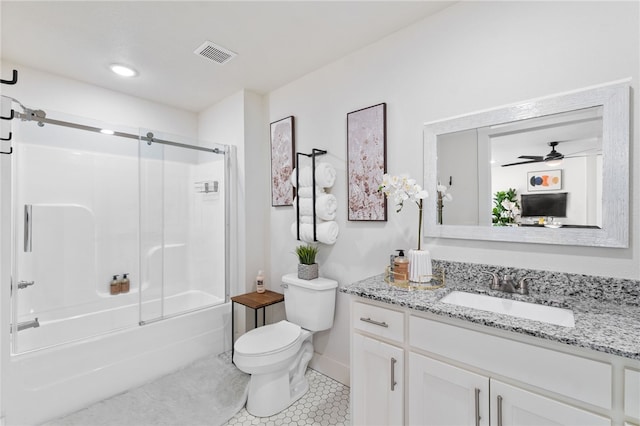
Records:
x=182, y=223
x=75, y=226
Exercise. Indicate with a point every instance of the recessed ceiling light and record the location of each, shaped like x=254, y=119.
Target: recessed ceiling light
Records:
x=123, y=70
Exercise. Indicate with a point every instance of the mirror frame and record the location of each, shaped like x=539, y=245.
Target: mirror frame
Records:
x=614, y=98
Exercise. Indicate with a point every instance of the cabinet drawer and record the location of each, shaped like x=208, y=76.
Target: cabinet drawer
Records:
x=632, y=393
x=379, y=321
x=576, y=377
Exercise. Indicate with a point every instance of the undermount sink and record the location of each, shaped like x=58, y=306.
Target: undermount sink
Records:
x=514, y=308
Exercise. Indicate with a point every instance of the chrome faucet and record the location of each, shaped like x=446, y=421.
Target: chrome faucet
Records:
x=507, y=285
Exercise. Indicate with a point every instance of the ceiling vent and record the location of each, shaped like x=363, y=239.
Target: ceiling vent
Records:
x=215, y=53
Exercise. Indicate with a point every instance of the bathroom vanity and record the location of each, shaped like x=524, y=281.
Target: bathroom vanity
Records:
x=418, y=360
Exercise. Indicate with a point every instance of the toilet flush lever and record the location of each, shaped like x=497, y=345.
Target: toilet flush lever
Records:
x=284, y=285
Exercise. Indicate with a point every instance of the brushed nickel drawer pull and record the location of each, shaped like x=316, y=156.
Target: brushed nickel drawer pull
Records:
x=393, y=373
x=370, y=321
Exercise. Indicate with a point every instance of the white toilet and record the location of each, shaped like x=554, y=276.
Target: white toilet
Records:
x=277, y=355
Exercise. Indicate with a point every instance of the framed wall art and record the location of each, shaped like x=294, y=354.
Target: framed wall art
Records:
x=283, y=156
x=367, y=162
x=544, y=180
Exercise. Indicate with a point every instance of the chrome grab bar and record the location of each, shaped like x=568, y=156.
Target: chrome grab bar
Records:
x=27, y=228
x=393, y=373
x=370, y=321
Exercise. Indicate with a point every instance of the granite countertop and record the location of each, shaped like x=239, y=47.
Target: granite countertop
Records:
x=603, y=326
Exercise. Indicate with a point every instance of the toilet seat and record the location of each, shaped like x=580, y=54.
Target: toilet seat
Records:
x=268, y=339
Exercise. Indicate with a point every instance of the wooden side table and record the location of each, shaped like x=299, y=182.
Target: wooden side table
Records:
x=254, y=301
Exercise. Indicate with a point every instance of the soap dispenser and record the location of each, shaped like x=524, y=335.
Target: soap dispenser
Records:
x=125, y=284
x=260, y=282
x=401, y=266
x=114, y=287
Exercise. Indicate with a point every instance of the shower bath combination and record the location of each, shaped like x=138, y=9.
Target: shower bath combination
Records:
x=85, y=205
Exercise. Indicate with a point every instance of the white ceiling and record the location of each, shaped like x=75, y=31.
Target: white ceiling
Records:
x=276, y=42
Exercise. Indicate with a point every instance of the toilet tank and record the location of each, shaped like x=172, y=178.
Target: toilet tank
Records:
x=309, y=303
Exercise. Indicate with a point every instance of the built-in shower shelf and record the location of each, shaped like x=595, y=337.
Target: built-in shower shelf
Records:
x=207, y=187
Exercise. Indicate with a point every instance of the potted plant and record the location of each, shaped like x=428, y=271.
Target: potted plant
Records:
x=506, y=208
x=307, y=268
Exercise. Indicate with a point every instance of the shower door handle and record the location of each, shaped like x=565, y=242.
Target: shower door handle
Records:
x=28, y=223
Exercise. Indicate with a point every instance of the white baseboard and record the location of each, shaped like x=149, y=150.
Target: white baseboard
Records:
x=332, y=368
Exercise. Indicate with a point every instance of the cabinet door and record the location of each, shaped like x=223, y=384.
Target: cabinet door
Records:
x=512, y=406
x=443, y=395
x=377, y=382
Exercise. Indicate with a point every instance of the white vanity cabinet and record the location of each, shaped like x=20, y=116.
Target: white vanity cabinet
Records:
x=377, y=366
x=377, y=382
x=441, y=394
x=513, y=406
x=632, y=395
x=510, y=405
x=450, y=372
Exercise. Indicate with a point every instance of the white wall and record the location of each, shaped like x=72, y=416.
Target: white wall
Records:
x=239, y=120
x=469, y=57
x=40, y=90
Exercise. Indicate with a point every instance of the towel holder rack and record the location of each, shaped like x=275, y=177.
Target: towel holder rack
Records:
x=314, y=153
x=14, y=78
x=11, y=116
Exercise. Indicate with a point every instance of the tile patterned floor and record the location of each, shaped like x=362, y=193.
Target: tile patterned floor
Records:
x=326, y=403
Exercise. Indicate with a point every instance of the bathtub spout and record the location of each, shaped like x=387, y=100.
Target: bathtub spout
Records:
x=28, y=324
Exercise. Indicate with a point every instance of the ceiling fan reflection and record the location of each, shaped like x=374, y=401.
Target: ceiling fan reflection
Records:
x=553, y=158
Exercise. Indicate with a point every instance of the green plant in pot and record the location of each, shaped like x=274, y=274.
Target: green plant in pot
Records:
x=307, y=268
x=506, y=208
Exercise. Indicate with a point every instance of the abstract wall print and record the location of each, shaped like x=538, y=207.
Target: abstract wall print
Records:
x=544, y=180
x=367, y=162
x=282, y=161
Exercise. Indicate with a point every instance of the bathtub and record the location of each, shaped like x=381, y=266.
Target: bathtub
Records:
x=104, y=316
x=48, y=383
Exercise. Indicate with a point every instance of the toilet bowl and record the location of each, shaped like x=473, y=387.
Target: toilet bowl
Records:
x=277, y=355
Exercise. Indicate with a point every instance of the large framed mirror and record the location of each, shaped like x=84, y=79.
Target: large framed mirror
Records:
x=552, y=170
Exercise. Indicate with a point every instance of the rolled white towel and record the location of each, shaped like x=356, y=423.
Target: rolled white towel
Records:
x=306, y=206
x=326, y=205
x=307, y=191
x=306, y=219
x=306, y=232
x=325, y=175
x=326, y=232
x=306, y=177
